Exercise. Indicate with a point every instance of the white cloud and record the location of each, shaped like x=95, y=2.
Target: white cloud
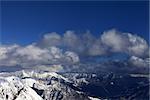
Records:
x=6, y=58
x=57, y=49
x=71, y=56
x=125, y=42
x=73, y=42
x=138, y=46
x=115, y=41
x=97, y=48
x=51, y=39
x=70, y=39
x=55, y=52
x=139, y=62
x=31, y=52
x=31, y=55
x=3, y=52
x=110, y=41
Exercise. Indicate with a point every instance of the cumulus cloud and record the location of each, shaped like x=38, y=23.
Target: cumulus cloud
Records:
x=115, y=41
x=97, y=48
x=51, y=39
x=138, y=46
x=55, y=49
x=5, y=55
x=111, y=41
x=125, y=42
x=31, y=55
x=139, y=62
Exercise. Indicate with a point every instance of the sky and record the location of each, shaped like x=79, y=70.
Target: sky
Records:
x=37, y=34
x=27, y=21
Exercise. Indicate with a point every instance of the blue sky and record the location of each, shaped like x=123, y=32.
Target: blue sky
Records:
x=26, y=22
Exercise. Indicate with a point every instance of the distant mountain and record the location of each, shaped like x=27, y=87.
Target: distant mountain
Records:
x=40, y=85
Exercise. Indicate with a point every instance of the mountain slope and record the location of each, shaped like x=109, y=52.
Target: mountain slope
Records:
x=39, y=85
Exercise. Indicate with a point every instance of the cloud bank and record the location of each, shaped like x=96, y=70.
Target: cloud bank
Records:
x=110, y=41
x=31, y=55
x=66, y=49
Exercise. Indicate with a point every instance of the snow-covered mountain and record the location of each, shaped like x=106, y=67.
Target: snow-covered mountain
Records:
x=37, y=86
x=40, y=85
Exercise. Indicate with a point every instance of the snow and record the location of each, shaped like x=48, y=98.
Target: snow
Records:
x=44, y=75
x=29, y=82
x=11, y=85
x=92, y=98
x=24, y=85
x=28, y=94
